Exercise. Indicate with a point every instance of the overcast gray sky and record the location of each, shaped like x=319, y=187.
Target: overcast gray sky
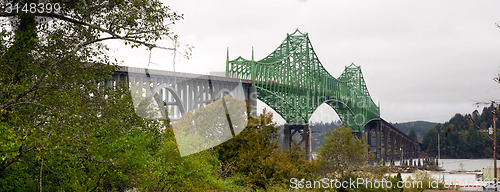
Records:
x=423, y=60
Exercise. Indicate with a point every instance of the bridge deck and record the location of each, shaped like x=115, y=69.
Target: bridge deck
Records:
x=125, y=69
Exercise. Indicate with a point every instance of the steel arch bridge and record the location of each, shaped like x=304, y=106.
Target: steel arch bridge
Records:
x=294, y=83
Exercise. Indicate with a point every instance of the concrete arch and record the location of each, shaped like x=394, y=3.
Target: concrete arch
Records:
x=177, y=101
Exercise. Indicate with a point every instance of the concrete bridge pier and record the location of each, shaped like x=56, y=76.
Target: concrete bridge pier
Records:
x=372, y=137
x=305, y=131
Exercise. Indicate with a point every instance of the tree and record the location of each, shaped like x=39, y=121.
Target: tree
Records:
x=166, y=170
x=87, y=147
x=59, y=127
x=254, y=158
x=412, y=134
x=429, y=142
x=459, y=138
x=475, y=115
x=341, y=152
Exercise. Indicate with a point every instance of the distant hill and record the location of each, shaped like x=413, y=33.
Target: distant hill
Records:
x=420, y=127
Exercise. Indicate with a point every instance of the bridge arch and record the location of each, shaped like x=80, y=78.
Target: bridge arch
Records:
x=294, y=83
x=281, y=105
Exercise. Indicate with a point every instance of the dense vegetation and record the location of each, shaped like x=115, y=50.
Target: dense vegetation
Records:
x=320, y=131
x=342, y=152
x=459, y=138
x=254, y=159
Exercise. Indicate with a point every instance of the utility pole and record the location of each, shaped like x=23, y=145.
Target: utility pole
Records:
x=495, y=146
x=401, y=150
x=492, y=130
x=439, y=150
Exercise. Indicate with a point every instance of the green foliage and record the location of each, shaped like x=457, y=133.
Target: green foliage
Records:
x=412, y=134
x=397, y=179
x=459, y=138
x=61, y=129
x=107, y=147
x=253, y=158
x=168, y=171
x=341, y=153
x=93, y=144
x=322, y=129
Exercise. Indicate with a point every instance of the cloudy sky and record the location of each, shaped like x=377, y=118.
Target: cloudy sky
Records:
x=423, y=60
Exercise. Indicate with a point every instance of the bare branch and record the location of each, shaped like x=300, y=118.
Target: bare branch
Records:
x=497, y=78
x=475, y=125
x=92, y=42
x=25, y=102
x=8, y=161
x=93, y=26
x=115, y=35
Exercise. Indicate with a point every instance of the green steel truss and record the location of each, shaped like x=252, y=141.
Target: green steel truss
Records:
x=293, y=82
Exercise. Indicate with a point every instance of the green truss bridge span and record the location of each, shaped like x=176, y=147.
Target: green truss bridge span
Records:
x=294, y=83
